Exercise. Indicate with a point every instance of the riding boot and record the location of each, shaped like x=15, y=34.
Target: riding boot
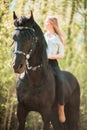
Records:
x=61, y=113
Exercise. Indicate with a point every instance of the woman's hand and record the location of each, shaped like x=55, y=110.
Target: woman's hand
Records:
x=58, y=56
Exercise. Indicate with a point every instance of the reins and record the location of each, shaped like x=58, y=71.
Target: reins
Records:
x=22, y=27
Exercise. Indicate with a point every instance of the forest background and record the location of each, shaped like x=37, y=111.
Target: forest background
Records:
x=72, y=16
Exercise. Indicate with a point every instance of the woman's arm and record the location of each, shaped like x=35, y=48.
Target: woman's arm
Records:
x=60, y=54
x=53, y=57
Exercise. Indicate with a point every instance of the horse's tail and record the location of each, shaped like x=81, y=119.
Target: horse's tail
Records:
x=72, y=112
x=72, y=108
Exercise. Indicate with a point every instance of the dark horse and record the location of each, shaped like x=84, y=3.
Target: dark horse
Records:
x=36, y=87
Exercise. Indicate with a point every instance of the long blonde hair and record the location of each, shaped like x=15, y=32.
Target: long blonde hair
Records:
x=53, y=20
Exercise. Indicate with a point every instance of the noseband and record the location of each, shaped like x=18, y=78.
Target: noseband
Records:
x=29, y=54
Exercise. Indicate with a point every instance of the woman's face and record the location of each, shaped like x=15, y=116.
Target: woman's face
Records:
x=48, y=25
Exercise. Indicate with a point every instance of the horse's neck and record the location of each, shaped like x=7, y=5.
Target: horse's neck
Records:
x=35, y=76
x=35, y=59
x=39, y=57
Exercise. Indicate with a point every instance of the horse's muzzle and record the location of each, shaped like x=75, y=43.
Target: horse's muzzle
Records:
x=19, y=68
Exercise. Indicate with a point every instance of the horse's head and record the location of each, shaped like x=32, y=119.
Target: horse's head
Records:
x=25, y=39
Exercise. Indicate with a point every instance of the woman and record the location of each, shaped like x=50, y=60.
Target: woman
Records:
x=55, y=51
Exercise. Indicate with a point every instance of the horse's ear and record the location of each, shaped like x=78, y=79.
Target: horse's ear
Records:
x=31, y=14
x=31, y=18
x=14, y=15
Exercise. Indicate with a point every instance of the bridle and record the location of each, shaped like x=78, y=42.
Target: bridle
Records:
x=27, y=56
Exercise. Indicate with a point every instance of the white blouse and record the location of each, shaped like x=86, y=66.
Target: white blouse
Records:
x=54, y=45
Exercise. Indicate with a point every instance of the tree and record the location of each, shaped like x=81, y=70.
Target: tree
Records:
x=73, y=21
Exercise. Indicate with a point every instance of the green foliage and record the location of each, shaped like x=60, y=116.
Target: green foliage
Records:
x=34, y=120
x=71, y=20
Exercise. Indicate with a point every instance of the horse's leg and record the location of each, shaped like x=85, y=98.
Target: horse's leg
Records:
x=46, y=118
x=46, y=125
x=54, y=119
x=21, y=114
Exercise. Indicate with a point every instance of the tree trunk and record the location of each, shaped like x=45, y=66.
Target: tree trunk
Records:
x=85, y=23
x=6, y=113
x=71, y=19
x=10, y=115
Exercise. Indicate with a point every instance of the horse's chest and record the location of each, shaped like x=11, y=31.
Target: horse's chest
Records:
x=36, y=94
x=32, y=96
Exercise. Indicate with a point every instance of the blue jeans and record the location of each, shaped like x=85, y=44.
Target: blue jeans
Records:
x=60, y=88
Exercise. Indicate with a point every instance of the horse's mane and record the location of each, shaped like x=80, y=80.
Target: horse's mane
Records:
x=42, y=43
